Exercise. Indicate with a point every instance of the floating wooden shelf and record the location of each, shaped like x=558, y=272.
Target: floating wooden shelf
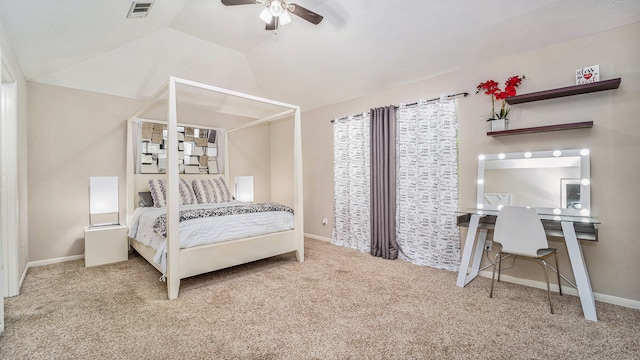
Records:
x=537, y=129
x=565, y=91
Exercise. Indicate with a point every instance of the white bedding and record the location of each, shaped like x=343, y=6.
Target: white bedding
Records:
x=208, y=230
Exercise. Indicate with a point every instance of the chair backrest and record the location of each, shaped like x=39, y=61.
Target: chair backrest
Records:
x=520, y=231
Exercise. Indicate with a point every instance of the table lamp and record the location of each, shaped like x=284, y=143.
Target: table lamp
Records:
x=244, y=188
x=103, y=201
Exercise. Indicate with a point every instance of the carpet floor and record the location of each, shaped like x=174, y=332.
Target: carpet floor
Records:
x=338, y=304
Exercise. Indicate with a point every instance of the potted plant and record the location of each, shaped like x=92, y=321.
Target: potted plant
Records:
x=490, y=87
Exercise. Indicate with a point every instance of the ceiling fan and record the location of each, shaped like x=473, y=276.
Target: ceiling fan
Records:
x=276, y=12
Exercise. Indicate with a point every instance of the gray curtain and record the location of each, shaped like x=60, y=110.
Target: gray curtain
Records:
x=383, y=183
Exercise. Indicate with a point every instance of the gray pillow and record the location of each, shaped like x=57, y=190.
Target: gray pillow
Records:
x=145, y=199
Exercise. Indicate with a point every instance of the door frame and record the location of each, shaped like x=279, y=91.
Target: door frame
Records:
x=9, y=218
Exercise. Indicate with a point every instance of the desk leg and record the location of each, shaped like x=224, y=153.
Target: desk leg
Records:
x=579, y=271
x=477, y=255
x=468, y=250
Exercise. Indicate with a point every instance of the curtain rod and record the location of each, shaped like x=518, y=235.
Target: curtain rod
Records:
x=465, y=94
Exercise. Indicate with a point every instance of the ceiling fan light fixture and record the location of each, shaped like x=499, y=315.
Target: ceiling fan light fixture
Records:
x=276, y=8
x=265, y=15
x=285, y=18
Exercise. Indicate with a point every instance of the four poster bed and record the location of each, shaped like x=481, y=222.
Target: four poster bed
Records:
x=172, y=249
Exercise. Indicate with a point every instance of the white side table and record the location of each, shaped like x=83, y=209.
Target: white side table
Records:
x=105, y=245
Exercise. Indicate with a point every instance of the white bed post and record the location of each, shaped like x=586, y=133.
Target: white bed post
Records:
x=298, y=194
x=173, y=236
x=129, y=190
x=226, y=158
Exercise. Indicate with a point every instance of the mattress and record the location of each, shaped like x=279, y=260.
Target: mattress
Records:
x=207, y=230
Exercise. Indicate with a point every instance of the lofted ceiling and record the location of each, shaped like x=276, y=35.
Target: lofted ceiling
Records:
x=361, y=46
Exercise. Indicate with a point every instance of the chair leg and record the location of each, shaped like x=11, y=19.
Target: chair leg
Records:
x=546, y=277
x=499, y=263
x=555, y=255
x=493, y=277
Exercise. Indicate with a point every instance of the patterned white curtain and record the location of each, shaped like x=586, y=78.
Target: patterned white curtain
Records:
x=427, y=184
x=351, y=207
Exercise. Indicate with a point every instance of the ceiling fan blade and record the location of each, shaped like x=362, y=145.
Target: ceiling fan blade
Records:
x=306, y=14
x=273, y=25
x=238, y=2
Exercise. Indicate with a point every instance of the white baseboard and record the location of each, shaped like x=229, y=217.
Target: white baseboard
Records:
x=609, y=299
x=45, y=262
x=317, y=237
x=24, y=275
x=54, y=260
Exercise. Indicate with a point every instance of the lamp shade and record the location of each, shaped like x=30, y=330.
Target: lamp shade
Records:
x=265, y=15
x=276, y=8
x=244, y=188
x=103, y=195
x=285, y=18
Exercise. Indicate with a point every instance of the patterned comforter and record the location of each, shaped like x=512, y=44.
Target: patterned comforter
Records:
x=160, y=223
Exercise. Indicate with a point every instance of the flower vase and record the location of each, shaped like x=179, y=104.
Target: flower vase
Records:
x=498, y=125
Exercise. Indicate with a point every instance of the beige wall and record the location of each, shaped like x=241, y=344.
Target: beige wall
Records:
x=11, y=61
x=73, y=135
x=76, y=134
x=282, y=161
x=614, y=142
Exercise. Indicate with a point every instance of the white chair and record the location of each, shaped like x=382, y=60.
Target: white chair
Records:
x=519, y=231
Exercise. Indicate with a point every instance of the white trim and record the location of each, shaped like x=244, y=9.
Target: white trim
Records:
x=317, y=237
x=9, y=188
x=57, y=260
x=605, y=298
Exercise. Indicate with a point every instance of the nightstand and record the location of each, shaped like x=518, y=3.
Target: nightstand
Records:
x=105, y=245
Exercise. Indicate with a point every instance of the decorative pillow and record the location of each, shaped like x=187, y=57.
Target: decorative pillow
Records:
x=158, y=191
x=209, y=191
x=187, y=196
x=225, y=194
x=145, y=199
x=205, y=191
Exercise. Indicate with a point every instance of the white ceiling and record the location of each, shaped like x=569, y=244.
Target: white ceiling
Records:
x=361, y=46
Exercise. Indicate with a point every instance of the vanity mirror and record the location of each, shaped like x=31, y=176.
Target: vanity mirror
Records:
x=554, y=182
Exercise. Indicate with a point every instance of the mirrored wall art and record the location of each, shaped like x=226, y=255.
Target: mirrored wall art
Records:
x=198, y=149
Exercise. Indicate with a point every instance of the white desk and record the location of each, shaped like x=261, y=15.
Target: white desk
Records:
x=571, y=228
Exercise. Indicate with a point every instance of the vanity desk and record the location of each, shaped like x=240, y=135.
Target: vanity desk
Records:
x=571, y=228
x=556, y=183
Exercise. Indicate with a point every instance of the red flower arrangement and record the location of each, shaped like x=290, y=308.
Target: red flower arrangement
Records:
x=490, y=87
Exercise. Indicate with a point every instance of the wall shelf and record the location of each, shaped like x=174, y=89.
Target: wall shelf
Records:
x=565, y=91
x=537, y=129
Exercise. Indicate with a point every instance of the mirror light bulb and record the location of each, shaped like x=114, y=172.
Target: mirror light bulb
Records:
x=480, y=206
x=481, y=157
x=585, y=182
x=480, y=181
x=557, y=211
x=528, y=154
x=501, y=156
x=584, y=152
x=557, y=153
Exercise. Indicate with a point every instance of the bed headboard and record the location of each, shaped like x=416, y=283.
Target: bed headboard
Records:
x=140, y=181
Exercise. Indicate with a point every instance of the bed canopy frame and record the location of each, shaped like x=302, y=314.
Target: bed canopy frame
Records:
x=182, y=263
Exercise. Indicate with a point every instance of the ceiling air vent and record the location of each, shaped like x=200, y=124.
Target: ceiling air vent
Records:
x=139, y=9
